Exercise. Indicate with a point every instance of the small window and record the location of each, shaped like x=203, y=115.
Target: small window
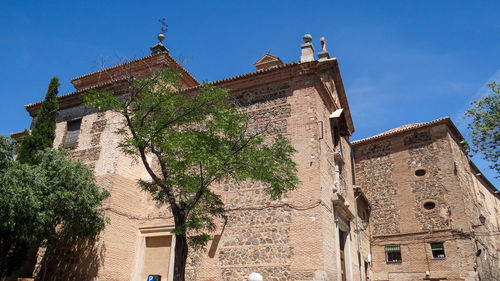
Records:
x=438, y=250
x=73, y=129
x=429, y=205
x=393, y=253
x=420, y=173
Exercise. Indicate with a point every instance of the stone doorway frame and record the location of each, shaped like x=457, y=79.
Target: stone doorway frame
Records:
x=153, y=231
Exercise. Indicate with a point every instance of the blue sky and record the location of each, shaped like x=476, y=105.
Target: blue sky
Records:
x=401, y=61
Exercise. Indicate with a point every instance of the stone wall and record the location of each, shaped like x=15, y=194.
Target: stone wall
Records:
x=447, y=181
x=478, y=198
x=267, y=108
x=292, y=238
x=425, y=153
x=374, y=172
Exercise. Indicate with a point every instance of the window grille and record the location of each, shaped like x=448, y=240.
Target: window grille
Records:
x=438, y=250
x=393, y=253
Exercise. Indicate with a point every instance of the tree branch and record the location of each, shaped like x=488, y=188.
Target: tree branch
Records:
x=156, y=179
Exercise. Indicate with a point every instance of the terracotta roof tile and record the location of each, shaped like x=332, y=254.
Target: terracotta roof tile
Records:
x=134, y=61
x=401, y=129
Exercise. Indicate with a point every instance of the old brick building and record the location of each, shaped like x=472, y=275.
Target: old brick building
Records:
x=319, y=231
x=434, y=215
x=309, y=235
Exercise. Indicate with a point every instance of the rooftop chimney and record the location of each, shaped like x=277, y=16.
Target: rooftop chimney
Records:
x=159, y=47
x=324, y=54
x=307, y=49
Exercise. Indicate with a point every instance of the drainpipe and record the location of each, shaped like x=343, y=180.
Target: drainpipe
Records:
x=357, y=233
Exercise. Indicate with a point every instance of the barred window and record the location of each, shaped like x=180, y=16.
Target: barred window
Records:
x=73, y=129
x=438, y=250
x=393, y=253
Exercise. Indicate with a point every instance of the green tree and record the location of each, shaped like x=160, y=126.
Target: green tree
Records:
x=196, y=140
x=43, y=133
x=40, y=203
x=485, y=126
x=7, y=151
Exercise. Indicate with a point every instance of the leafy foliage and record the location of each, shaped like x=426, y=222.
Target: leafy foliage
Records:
x=43, y=133
x=196, y=140
x=485, y=126
x=7, y=151
x=40, y=202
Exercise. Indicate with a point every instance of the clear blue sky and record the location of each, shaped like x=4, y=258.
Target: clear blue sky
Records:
x=401, y=61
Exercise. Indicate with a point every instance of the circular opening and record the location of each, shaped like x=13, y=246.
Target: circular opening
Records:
x=429, y=205
x=420, y=173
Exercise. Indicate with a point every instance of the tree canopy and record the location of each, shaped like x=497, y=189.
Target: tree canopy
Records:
x=196, y=139
x=43, y=132
x=40, y=202
x=485, y=126
x=43, y=195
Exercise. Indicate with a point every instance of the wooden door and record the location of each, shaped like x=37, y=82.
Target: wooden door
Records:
x=342, y=256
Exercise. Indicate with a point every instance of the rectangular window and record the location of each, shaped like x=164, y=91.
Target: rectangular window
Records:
x=73, y=129
x=438, y=250
x=336, y=136
x=393, y=253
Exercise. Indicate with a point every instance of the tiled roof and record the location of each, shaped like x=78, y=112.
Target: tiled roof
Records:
x=246, y=75
x=401, y=129
x=95, y=86
x=451, y=126
x=134, y=61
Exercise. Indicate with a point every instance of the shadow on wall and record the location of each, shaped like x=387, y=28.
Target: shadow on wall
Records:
x=71, y=259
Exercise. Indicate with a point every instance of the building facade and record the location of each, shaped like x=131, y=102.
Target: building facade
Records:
x=434, y=215
x=342, y=223
x=310, y=234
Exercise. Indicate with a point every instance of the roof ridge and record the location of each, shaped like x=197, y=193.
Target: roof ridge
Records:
x=134, y=61
x=248, y=74
x=400, y=129
x=233, y=78
x=95, y=86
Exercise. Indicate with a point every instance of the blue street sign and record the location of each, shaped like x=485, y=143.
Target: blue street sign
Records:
x=154, y=278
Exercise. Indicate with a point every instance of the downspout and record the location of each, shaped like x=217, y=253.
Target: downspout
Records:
x=353, y=168
x=358, y=236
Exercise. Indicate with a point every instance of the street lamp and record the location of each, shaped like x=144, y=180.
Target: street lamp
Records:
x=364, y=223
x=482, y=220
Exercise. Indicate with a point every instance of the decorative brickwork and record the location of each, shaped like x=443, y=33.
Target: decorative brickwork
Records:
x=266, y=107
x=90, y=155
x=417, y=138
x=87, y=156
x=267, y=96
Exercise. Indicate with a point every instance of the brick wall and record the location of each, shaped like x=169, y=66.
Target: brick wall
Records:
x=294, y=241
x=387, y=170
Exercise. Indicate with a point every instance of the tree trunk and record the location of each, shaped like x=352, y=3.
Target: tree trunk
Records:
x=181, y=252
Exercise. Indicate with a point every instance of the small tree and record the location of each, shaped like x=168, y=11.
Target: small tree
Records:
x=43, y=133
x=485, y=126
x=197, y=140
x=39, y=203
